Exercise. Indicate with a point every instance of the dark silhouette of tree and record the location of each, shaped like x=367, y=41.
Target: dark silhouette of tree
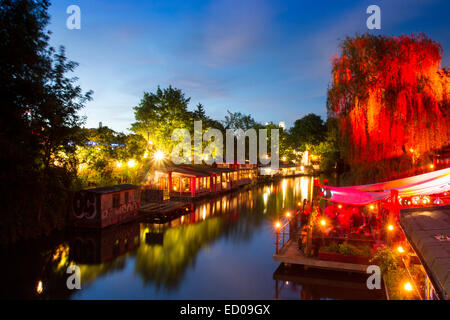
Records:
x=309, y=130
x=39, y=119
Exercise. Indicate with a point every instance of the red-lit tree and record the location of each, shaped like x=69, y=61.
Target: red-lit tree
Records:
x=391, y=99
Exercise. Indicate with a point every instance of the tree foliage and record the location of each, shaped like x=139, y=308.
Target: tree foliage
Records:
x=391, y=99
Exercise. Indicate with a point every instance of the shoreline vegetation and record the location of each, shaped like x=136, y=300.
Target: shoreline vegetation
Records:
x=47, y=154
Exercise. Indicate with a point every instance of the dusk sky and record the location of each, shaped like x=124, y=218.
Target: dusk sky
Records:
x=267, y=58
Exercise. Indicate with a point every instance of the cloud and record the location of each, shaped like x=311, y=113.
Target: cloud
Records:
x=228, y=32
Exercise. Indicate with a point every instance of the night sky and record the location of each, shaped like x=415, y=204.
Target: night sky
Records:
x=267, y=58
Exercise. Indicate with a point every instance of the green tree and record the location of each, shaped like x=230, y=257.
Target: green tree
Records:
x=307, y=132
x=158, y=114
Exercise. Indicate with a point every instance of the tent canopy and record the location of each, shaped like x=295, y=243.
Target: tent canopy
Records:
x=424, y=184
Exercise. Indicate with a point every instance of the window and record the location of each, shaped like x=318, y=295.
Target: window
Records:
x=116, y=200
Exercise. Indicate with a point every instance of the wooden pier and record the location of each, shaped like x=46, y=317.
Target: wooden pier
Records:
x=291, y=254
x=163, y=210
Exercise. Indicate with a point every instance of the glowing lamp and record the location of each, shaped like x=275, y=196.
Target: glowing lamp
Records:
x=400, y=249
x=323, y=222
x=407, y=286
x=158, y=156
x=277, y=225
x=40, y=287
x=340, y=206
x=288, y=214
x=299, y=204
x=118, y=164
x=390, y=227
x=431, y=166
x=131, y=163
x=372, y=207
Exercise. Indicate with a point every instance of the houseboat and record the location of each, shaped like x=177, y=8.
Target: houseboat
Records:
x=102, y=207
x=284, y=170
x=188, y=181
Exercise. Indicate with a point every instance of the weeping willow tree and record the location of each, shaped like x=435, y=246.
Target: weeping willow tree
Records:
x=390, y=98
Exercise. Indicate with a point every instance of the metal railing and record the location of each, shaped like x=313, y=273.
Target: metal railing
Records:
x=289, y=229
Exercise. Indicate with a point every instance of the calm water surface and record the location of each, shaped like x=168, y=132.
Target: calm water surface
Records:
x=221, y=250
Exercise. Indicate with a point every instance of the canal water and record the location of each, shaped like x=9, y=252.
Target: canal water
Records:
x=221, y=250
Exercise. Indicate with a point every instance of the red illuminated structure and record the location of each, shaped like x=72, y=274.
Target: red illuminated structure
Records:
x=391, y=99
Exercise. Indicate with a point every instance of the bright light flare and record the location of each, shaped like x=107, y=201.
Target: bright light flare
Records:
x=407, y=286
x=131, y=163
x=40, y=287
x=390, y=227
x=277, y=225
x=159, y=156
x=323, y=222
x=400, y=249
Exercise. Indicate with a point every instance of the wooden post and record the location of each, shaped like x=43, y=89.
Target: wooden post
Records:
x=169, y=177
x=192, y=186
x=277, y=241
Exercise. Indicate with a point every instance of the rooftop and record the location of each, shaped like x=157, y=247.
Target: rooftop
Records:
x=112, y=189
x=428, y=230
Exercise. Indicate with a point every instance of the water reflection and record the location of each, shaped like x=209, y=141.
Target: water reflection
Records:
x=296, y=282
x=225, y=242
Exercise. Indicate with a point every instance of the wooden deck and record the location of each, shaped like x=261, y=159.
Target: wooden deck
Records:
x=162, y=209
x=290, y=254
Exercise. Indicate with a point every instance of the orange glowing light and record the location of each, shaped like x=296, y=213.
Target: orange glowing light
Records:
x=372, y=207
x=431, y=166
x=340, y=206
x=323, y=222
x=40, y=287
x=407, y=286
x=390, y=227
x=277, y=225
x=400, y=249
x=288, y=214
